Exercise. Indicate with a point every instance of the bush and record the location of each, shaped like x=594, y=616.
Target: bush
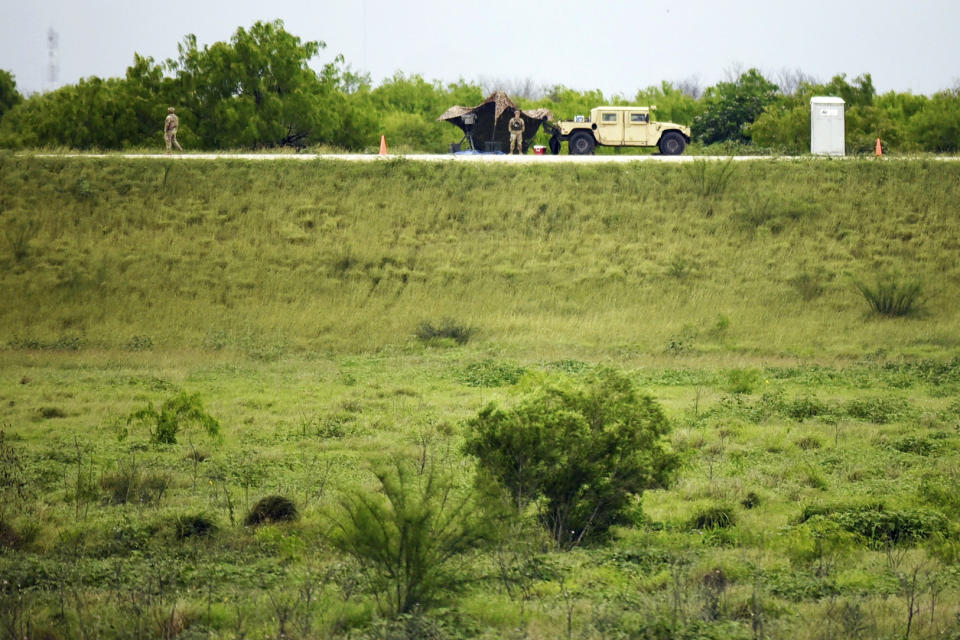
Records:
x=878, y=410
x=132, y=485
x=750, y=500
x=714, y=517
x=808, y=286
x=490, y=373
x=809, y=442
x=892, y=295
x=740, y=381
x=447, y=329
x=915, y=444
x=272, y=509
x=805, y=407
x=581, y=454
x=880, y=526
x=411, y=536
x=178, y=411
x=194, y=526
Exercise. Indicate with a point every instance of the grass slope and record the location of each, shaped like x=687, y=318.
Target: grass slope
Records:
x=759, y=259
x=289, y=298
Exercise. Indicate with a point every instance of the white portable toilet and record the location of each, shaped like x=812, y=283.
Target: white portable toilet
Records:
x=827, y=129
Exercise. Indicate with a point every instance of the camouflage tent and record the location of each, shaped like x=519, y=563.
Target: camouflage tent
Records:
x=492, y=118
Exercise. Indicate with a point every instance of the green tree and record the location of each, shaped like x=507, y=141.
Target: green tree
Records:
x=729, y=107
x=412, y=537
x=176, y=413
x=936, y=127
x=784, y=127
x=673, y=105
x=90, y=114
x=9, y=96
x=581, y=455
x=860, y=93
x=257, y=90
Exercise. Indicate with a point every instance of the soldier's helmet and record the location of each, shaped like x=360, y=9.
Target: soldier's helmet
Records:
x=170, y=109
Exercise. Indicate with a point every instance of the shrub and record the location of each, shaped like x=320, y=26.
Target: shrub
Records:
x=892, y=295
x=8, y=536
x=490, y=373
x=805, y=407
x=809, y=442
x=178, y=411
x=140, y=343
x=915, y=444
x=880, y=526
x=272, y=509
x=710, y=179
x=808, y=286
x=132, y=485
x=750, y=500
x=740, y=381
x=411, y=537
x=447, y=329
x=19, y=232
x=50, y=413
x=196, y=525
x=719, y=516
x=878, y=410
x=580, y=453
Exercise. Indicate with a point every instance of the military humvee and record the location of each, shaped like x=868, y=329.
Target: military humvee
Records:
x=618, y=127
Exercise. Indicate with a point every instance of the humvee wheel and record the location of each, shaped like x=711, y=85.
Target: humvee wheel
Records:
x=672, y=144
x=581, y=144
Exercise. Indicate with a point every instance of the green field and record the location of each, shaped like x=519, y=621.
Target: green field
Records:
x=334, y=317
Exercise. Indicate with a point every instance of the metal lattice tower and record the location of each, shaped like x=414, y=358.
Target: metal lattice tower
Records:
x=53, y=54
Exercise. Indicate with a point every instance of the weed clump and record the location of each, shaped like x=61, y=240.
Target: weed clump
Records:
x=196, y=525
x=750, y=500
x=878, y=410
x=880, y=527
x=272, y=509
x=808, y=443
x=490, y=373
x=130, y=485
x=447, y=329
x=892, y=295
x=915, y=444
x=716, y=516
x=176, y=412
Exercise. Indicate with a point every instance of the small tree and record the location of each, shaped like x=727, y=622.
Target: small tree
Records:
x=175, y=413
x=9, y=96
x=580, y=454
x=411, y=537
x=731, y=106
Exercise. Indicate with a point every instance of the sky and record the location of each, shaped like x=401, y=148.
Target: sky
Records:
x=618, y=46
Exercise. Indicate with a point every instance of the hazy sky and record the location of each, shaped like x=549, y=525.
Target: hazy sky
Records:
x=617, y=46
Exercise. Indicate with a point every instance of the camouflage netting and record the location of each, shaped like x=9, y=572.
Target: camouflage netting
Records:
x=491, y=127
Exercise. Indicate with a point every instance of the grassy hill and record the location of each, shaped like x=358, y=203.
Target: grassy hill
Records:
x=756, y=258
x=334, y=316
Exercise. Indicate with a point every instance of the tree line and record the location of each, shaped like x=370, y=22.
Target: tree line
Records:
x=258, y=91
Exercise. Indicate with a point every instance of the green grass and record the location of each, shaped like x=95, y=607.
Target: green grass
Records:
x=294, y=301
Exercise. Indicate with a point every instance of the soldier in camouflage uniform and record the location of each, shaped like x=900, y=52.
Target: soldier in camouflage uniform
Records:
x=516, y=127
x=170, y=126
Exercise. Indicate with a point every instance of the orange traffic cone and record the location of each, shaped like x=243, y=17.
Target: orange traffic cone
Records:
x=383, y=145
x=879, y=150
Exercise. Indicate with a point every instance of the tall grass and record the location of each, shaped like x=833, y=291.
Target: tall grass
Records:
x=275, y=258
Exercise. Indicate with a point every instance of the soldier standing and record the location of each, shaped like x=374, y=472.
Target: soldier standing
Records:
x=170, y=126
x=516, y=127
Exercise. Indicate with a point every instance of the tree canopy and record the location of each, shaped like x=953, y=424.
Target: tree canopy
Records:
x=258, y=90
x=580, y=453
